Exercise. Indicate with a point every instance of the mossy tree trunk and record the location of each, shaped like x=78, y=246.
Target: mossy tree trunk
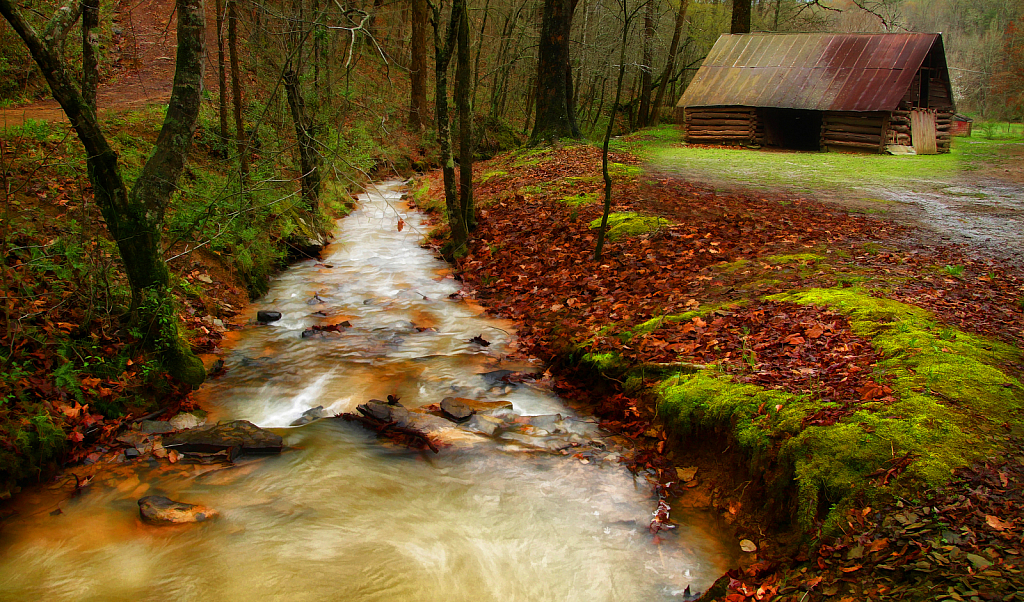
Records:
x=462, y=97
x=241, y=138
x=134, y=217
x=444, y=46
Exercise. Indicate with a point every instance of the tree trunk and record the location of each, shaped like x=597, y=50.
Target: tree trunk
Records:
x=666, y=73
x=90, y=54
x=462, y=93
x=740, y=16
x=553, y=72
x=443, y=50
x=647, y=68
x=134, y=218
x=309, y=159
x=418, y=71
x=479, y=49
x=599, y=247
x=222, y=77
x=241, y=142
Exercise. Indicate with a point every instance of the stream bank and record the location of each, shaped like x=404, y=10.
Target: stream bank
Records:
x=843, y=370
x=340, y=514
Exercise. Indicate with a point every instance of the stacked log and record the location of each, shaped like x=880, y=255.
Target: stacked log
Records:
x=720, y=125
x=944, y=130
x=899, y=126
x=854, y=131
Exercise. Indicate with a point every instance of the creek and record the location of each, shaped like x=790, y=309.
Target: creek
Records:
x=531, y=515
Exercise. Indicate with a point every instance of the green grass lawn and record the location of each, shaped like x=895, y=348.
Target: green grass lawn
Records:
x=807, y=172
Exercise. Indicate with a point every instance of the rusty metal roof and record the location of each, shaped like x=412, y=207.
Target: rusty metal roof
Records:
x=815, y=71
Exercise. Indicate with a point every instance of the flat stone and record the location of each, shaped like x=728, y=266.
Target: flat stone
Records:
x=310, y=415
x=158, y=510
x=156, y=427
x=485, y=425
x=131, y=453
x=236, y=436
x=429, y=424
x=266, y=316
x=461, y=408
x=385, y=412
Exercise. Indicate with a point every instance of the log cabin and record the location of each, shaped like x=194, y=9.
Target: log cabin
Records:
x=822, y=91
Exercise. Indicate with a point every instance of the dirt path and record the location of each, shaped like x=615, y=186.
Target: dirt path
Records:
x=142, y=70
x=979, y=204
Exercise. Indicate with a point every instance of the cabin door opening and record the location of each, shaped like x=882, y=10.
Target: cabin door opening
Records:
x=795, y=129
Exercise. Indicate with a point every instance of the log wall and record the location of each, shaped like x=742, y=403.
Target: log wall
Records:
x=720, y=125
x=850, y=131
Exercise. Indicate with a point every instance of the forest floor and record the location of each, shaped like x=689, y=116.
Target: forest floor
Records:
x=142, y=48
x=846, y=389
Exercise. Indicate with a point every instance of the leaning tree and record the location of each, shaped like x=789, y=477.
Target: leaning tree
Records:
x=134, y=217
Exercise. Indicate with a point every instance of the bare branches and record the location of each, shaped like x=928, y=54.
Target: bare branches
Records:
x=889, y=12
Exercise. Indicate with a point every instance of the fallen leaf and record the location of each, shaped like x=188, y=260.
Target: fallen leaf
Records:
x=401, y=224
x=748, y=546
x=996, y=523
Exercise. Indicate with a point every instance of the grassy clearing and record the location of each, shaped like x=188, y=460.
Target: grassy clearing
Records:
x=847, y=174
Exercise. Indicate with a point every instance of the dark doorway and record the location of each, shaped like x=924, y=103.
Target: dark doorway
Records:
x=796, y=129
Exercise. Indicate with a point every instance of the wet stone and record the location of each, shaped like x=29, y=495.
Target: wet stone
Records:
x=384, y=411
x=131, y=453
x=153, y=427
x=485, y=425
x=158, y=510
x=461, y=408
x=266, y=316
x=186, y=420
x=310, y=415
x=236, y=436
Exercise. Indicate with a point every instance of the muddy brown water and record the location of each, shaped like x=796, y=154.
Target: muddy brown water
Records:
x=341, y=516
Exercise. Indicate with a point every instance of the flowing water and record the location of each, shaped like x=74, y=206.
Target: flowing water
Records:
x=342, y=516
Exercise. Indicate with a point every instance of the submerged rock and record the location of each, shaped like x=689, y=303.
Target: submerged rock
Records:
x=158, y=510
x=461, y=408
x=266, y=316
x=235, y=437
x=310, y=415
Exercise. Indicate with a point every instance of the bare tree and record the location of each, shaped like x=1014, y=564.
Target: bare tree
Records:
x=627, y=20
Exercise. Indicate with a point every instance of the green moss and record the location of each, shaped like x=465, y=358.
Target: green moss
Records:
x=950, y=399
x=623, y=171
x=655, y=323
x=492, y=174
x=602, y=362
x=583, y=198
x=794, y=258
x=630, y=224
